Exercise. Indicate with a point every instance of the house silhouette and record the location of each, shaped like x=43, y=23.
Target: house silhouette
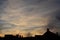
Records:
x=48, y=35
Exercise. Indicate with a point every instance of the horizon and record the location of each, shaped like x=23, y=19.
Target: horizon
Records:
x=28, y=34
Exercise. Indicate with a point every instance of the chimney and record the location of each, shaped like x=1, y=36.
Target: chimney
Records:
x=47, y=29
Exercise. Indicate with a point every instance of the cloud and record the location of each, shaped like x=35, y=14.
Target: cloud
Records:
x=3, y=4
x=30, y=14
x=6, y=26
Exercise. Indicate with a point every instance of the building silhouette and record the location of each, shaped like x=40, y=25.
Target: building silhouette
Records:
x=48, y=35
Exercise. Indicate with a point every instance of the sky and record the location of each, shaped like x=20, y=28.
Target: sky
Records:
x=29, y=16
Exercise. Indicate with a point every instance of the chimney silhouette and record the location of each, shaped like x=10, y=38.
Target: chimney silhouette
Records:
x=48, y=30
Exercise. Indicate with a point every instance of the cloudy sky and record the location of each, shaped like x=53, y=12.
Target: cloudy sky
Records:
x=29, y=16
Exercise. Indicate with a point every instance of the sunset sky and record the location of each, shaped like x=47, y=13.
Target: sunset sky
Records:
x=29, y=16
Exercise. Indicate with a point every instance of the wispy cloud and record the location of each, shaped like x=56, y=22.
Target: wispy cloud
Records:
x=30, y=14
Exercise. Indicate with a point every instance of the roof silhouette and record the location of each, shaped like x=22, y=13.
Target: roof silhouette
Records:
x=48, y=35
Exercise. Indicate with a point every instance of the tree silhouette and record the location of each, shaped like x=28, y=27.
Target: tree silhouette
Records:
x=29, y=34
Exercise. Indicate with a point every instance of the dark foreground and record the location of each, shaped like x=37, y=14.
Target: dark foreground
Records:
x=47, y=36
